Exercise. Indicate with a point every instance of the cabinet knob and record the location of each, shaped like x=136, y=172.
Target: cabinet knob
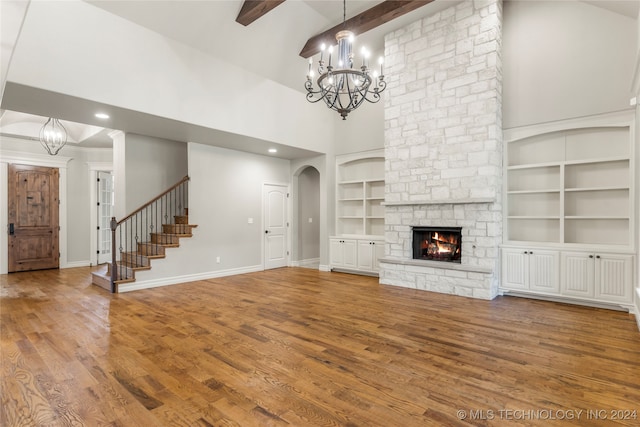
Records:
x=590, y=256
x=530, y=252
x=525, y=252
x=598, y=256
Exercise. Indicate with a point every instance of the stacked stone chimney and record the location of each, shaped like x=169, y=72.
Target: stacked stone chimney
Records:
x=443, y=146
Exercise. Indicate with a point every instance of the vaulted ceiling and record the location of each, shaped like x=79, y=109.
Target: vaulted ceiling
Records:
x=271, y=44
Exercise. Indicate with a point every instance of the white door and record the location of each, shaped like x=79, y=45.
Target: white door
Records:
x=105, y=212
x=275, y=226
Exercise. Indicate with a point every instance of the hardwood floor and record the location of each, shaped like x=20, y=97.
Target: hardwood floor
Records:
x=300, y=347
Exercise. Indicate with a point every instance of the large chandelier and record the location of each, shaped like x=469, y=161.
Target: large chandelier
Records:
x=53, y=136
x=342, y=87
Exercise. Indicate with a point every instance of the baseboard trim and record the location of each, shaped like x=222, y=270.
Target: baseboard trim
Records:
x=324, y=267
x=155, y=283
x=76, y=264
x=307, y=263
x=617, y=306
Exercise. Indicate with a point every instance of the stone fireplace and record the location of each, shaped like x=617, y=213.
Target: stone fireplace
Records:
x=443, y=148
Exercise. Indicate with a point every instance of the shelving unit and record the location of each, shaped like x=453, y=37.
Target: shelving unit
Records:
x=569, y=211
x=360, y=195
x=570, y=187
x=359, y=241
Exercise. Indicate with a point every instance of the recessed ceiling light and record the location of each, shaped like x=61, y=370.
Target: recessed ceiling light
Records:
x=102, y=115
x=273, y=150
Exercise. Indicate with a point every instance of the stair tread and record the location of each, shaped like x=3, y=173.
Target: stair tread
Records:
x=146, y=251
x=134, y=267
x=135, y=254
x=149, y=244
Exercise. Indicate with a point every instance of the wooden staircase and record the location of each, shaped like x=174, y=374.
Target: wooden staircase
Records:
x=130, y=262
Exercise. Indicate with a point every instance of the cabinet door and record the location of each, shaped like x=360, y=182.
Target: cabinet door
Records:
x=336, y=252
x=378, y=252
x=350, y=253
x=578, y=274
x=365, y=255
x=514, y=269
x=544, y=271
x=613, y=277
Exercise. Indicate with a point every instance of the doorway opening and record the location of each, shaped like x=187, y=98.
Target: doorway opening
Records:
x=104, y=212
x=308, y=218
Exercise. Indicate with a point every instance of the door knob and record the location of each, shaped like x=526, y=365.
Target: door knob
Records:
x=11, y=230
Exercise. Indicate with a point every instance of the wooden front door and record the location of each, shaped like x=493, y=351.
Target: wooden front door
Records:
x=33, y=218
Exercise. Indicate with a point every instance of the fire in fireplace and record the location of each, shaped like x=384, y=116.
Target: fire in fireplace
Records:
x=437, y=243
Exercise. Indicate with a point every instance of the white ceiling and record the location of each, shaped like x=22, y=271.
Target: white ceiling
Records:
x=269, y=47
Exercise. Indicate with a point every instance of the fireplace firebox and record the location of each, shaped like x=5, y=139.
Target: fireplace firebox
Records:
x=437, y=243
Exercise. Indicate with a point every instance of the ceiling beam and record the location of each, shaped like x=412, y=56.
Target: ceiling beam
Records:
x=254, y=9
x=359, y=24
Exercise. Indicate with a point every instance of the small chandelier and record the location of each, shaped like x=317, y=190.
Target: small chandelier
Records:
x=53, y=136
x=342, y=87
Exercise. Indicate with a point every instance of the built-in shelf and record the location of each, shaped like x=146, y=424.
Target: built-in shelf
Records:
x=550, y=190
x=569, y=207
x=570, y=187
x=533, y=217
x=596, y=217
x=360, y=193
x=569, y=190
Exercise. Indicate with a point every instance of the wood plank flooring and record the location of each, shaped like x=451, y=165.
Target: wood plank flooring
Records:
x=300, y=347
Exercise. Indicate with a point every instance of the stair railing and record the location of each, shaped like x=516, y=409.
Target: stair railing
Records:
x=137, y=228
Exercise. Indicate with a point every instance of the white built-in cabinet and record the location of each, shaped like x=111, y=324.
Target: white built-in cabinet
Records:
x=343, y=253
x=569, y=210
x=598, y=276
x=531, y=269
x=359, y=242
x=369, y=252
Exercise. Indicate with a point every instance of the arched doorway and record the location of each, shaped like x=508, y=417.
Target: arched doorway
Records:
x=308, y=218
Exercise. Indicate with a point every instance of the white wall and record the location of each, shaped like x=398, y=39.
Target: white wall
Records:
x=564, y=59
x=80, y=211
x=12, y=15
x=362, y=131
x=152, y=166
x=104, y=58
x=225, y=191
